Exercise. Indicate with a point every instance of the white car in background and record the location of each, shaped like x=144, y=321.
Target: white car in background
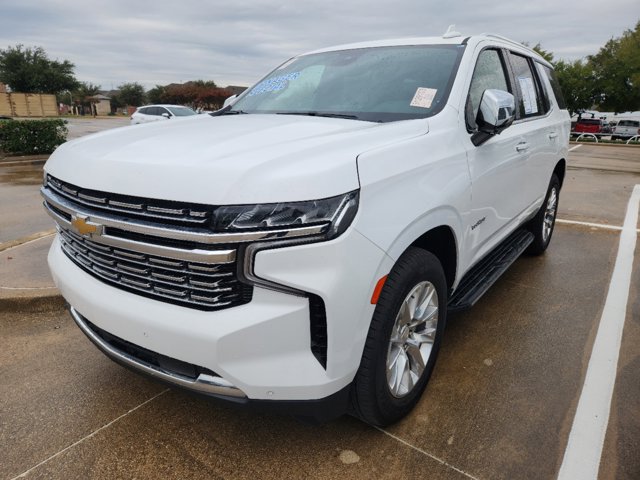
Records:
x=153, y=113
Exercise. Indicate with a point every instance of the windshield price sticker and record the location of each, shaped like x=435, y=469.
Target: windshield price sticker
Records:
x=274, y=84
x=423, y=97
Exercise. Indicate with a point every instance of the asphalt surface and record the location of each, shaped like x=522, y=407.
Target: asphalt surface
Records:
x=500, y=404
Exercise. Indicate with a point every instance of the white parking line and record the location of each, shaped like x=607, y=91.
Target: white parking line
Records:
x=586, y=439
x=573, y=148
x=426, y=453
x=24, y=474
x=592, y=225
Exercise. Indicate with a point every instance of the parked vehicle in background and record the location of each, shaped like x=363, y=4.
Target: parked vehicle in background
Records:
x=606, y=128
x=625, y=129
x=589, y=125
x=302, y=246
x=153, y=113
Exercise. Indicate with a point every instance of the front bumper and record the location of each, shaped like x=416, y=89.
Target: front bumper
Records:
x=260, y=350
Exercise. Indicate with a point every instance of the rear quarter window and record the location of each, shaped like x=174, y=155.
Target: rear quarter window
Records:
x=555, y=86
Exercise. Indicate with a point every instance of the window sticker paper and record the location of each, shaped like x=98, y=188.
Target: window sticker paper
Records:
x=423, y=97
x=528, y=95
x=274, y=84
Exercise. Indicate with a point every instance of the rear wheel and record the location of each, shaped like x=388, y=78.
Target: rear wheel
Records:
x=544, y=222
x=403, y=340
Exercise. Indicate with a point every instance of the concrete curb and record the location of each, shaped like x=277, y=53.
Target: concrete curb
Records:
x=23, y=159
x=21, y=241
x=41, y=304
x=573, y=142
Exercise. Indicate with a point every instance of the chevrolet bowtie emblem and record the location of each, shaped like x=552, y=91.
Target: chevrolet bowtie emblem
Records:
x=84, y=227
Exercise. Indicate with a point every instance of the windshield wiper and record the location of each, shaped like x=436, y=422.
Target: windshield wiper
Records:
x=321, y=114
x=227, y=111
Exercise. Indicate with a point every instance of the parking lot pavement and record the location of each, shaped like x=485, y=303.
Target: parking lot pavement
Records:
x=618, y=158
x=79, y=127
x=501, y=402
x=20, y=202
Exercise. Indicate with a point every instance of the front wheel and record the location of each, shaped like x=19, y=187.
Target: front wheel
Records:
x=403, y=340
x=544, y=222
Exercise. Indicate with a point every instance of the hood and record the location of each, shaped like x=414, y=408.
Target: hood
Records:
x=231, y=159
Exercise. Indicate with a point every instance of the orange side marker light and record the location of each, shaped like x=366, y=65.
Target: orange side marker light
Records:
x=377, y=290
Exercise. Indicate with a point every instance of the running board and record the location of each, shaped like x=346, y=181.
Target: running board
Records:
x=484, y=274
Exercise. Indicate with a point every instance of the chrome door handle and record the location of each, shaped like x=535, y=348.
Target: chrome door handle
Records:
x=553, y=135
x=522, y=147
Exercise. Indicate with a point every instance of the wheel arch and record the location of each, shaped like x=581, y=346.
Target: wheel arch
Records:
x=441, y=242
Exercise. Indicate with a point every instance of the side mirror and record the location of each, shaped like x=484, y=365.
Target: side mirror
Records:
x=497, y=112
x=166, y=115
x=229, y=100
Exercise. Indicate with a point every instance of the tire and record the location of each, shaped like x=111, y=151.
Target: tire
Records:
x=543, y=224
x=381, y=399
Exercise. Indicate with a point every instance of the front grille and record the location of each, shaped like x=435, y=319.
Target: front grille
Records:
x=165, y=211
x=197, y=285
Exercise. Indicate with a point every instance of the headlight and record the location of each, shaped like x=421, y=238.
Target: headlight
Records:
x=333, y=214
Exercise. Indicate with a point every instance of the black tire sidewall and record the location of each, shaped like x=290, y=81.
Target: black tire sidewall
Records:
x=412, y=268
x=536, y=225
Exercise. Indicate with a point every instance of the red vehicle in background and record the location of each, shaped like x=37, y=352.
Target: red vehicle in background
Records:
x=588, y=125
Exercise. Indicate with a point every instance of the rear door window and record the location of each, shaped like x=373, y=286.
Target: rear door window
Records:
x=529, y=99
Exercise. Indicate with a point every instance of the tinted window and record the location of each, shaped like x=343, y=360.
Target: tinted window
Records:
x=555, y=85
x=489, y=73
x=529, y=100
x=590, y=121
x=181, y=111
x=144, y=110
x=628, y=123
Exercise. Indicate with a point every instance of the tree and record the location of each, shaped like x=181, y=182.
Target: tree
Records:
x=84, y=91
x=616, y=69
x=577, y=84
x=29, y=70
x=155, y=95
x=546, y=54
x=132, y=94
x=198, y=94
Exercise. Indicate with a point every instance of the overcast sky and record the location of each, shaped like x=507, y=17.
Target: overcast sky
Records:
x=237, y=41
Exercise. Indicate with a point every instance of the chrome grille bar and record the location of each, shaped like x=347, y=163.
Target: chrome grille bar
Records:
x=191, y=287
x=138, y=249
x=116, y=203
x=52, y=199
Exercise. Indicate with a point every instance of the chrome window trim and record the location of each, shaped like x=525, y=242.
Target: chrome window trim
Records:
x=204, y=383
x=185, y=234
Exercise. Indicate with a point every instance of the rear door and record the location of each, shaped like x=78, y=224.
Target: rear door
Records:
x=539, y=133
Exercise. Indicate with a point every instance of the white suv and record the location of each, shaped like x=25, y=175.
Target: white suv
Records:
x=154, y=113
x=302, y=246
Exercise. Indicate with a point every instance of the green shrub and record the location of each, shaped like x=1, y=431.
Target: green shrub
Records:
x=32, y=136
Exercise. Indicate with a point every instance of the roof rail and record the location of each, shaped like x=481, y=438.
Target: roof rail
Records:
x=505, y=39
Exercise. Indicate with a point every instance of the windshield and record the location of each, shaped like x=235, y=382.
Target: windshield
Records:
x=381, y=84
x=181, y=111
